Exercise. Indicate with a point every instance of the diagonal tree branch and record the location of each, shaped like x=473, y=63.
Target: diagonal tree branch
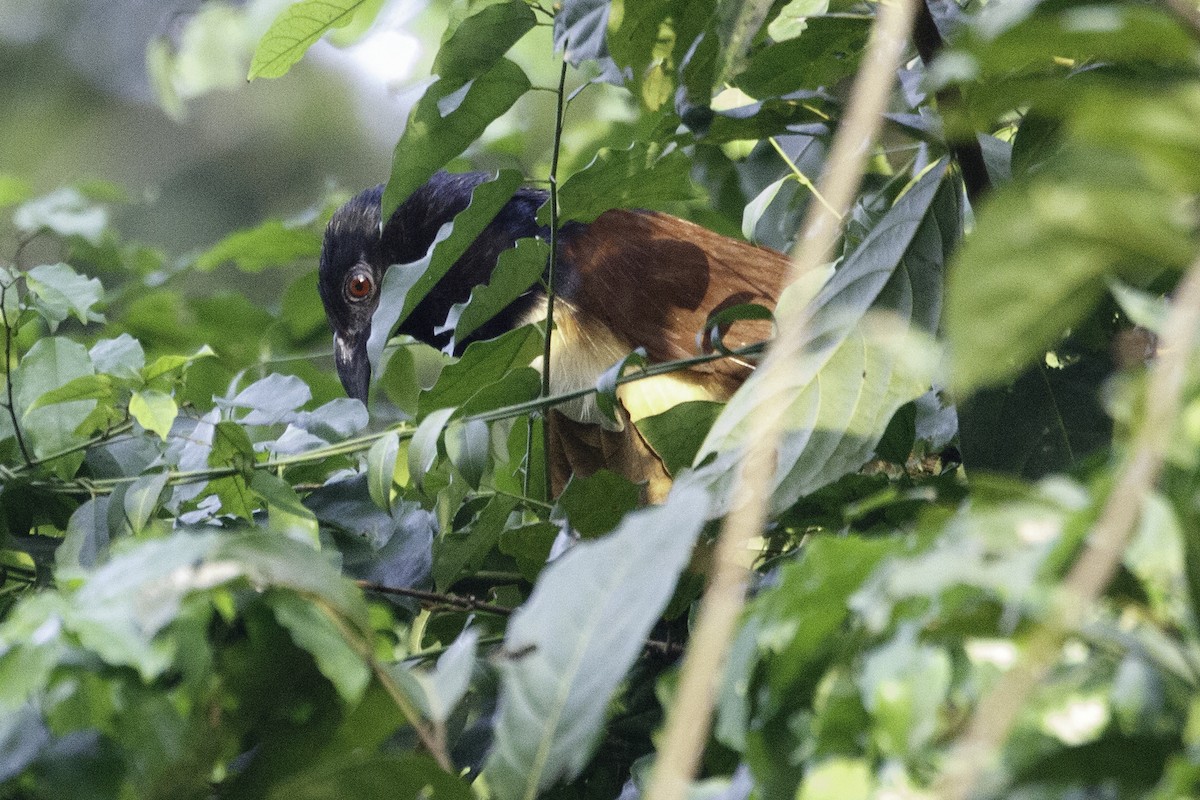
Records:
x=1091, y=574
x=689, y=718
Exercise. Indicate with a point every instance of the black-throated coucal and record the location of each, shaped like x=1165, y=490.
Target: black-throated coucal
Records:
x=628, y=279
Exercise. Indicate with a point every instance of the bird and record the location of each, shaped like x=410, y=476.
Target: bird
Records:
x=628, y=279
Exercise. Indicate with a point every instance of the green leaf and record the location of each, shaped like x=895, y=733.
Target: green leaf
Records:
x=1040, y=257
x=271, y=244
x=404, y=287
x=464, y=551
x=85, y=387
x=122, y=357
x=65, y=212
x=423, y=449
x=638, y=177
x=313, y=630
x=87, y=537
x=530, y=546
x=596, y=504
x=867, y=349
x=231, y=447
x=651, y=38
x=270, y=400
x=381, y=469
x=479, y=41
x=827, y=52
x=758, y=206
x=482, y=364
x=59, y=291
x=432, y=136
x=1047, y=420
x=155, y=411
x=444, y=687
x=164, y=365
x=286, y=515
x=677, y=433
x=517, y=269
x=574, y=639
x=798, y=618
x=369, y=775
x=295, y=30
x=469, y=448
x=141, y=500
x=52, y=363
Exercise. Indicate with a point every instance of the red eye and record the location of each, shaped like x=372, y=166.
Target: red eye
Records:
x=359, y=286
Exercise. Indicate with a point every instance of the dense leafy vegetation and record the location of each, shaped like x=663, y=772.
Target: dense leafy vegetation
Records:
x=219, y=577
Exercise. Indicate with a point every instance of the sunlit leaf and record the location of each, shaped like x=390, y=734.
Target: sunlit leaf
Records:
x=295, y=30
x=155, y=411
x=866, y=353
x=59, y=291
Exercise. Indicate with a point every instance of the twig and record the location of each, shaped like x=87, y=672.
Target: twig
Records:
x=433, y=742
x=1091, y=573
x=689, y=718
x=551, y=268
x=799, y=175
x=360, y=443
x=1187, y=12
x=8, y=377
x=461, y=602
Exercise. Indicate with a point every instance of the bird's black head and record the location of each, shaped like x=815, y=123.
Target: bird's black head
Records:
x=352, y=267
x=357, y=252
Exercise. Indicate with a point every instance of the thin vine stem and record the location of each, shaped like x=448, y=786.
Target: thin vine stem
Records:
x=360, y=443
x=433, y=739
x=551, y=269
x=689, y=718
x=8, y=378
x=1090, y=575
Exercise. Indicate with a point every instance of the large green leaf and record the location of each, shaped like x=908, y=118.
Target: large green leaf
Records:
x=639, y=177
x=826, y=52
x=576, y=637
x=51, y=363
x=482, y=364
x=866, y=349
x=516, y=270
x=405, y=286
x=59, y=291
x=445, y=121
x=473, y=47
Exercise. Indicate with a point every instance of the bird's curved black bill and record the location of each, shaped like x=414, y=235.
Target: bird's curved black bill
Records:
x=353, y=366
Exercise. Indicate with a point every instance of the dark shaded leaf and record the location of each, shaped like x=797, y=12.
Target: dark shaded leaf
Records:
x=271, y=244
x=596, y=504
x=432, y=136
x=639, y=177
